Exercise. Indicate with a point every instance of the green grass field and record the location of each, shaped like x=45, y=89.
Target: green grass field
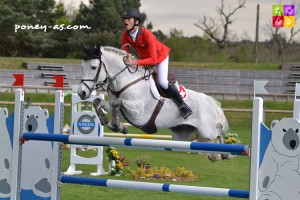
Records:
x=224, y=174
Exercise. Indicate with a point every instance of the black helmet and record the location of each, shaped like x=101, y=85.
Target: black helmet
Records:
x=132, y=12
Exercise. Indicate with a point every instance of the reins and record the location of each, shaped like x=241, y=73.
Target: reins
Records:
x=145, y=77
x=108, y=81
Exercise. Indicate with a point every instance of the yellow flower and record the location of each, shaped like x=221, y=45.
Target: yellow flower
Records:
x=120, y=165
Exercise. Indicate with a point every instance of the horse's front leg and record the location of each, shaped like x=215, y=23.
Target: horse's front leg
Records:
x=98, y=105
x=115, y=123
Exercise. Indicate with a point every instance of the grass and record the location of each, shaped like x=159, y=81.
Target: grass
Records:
x=17, y=63
x=224, y=174
x=219, y=174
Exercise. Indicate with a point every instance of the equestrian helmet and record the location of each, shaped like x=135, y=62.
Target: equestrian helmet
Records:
x=132, y=12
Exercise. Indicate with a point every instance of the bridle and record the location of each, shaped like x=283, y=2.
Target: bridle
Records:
x=90, y=57
x=110, y=80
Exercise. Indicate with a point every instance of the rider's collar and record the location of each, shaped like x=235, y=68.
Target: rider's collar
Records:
x=139, y=31
x=135, y=35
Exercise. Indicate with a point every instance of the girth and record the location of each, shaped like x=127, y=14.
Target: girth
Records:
x=150, y=126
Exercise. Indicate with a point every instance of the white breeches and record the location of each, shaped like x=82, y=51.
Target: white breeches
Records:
x=162, y=71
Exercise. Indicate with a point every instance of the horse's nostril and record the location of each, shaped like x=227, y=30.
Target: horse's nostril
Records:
x=83, y=94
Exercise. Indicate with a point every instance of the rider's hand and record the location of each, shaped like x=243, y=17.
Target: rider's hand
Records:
x=129, y=60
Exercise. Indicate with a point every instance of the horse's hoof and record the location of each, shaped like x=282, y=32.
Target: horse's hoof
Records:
x=125, y=130
x=226, y=156
x=214, y=157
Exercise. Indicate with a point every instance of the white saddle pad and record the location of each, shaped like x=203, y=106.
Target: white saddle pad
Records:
x=153, y=88
x=156, y=95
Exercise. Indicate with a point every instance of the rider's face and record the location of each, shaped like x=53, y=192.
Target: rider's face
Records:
x=128, y=23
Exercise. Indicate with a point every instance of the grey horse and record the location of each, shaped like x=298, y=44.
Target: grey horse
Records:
x=131, y=96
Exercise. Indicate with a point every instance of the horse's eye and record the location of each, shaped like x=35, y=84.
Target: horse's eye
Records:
x=94, y=67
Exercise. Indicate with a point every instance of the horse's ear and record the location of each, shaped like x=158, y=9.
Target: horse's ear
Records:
x=98, y=45
x=83, y=47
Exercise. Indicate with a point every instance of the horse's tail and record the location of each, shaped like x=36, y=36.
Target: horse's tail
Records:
x=220, y=116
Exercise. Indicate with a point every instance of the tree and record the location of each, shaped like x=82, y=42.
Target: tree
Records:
x=219, y=30
x=29, y=41
x=105, y=18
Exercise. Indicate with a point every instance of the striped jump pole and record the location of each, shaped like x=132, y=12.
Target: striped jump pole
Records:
x=142, y=143
x=143, y=136
x=160, y=187
x=129, y=135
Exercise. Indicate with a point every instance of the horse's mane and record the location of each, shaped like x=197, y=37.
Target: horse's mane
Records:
x=115, y=50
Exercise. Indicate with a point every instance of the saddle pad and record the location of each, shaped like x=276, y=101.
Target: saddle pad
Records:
x=153, y=88
x=183, y=92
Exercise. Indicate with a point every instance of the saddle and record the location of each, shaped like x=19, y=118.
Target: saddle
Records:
x=171, y=79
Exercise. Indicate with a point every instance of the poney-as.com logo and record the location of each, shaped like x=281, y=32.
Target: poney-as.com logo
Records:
x=283, y=16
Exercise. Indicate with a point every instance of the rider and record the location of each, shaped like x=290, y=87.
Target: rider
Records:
x=152, y=53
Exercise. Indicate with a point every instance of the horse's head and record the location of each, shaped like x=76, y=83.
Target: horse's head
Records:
x=93, y=71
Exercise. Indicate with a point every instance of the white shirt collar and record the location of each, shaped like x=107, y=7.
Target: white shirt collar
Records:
x=133, y=35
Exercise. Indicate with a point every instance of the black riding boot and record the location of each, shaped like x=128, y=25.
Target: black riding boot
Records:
x=173, y=93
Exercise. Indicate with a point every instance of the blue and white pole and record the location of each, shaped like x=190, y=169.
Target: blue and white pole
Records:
x=142, y=143
x=160, y=187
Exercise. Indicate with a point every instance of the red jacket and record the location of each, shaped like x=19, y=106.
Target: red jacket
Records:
x=151, y=51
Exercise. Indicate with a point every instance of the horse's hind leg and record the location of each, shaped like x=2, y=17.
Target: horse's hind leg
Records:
x=214, y=156
x=222, y=141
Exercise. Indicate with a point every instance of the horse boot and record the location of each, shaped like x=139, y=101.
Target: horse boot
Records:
x=115, y=123
x=99, y=111
x=173, y=93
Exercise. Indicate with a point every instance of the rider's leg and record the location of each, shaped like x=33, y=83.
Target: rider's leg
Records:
x=170, y=89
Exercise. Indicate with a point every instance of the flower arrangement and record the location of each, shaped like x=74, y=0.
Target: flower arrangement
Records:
x=163, y=173
x=232, y=138
x=116, y=161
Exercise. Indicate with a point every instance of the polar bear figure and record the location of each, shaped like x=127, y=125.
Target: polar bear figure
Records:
x=5, y=156
x=36, y=156
x=279, y=176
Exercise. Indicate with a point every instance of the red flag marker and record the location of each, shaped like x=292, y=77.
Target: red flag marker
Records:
x=59, y=81
x=19, y=80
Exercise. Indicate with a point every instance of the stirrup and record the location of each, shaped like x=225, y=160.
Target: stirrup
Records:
x=185, y=111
